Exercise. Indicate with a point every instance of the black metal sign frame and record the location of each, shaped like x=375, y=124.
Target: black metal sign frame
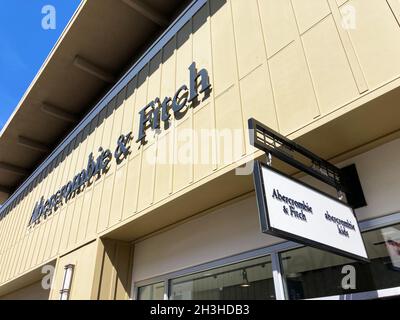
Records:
x=345, y=180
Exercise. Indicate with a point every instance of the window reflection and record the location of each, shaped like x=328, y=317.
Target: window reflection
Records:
x=311, y=273
x=242, y=281
x=392, y=242
x=152, y=292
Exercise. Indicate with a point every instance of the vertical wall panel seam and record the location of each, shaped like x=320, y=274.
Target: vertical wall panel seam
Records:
x=237, y=76
x=56, y=215
x=46, y=223
x=33, y=229
x=12, y=260
x=8, y=231
x=49, y=180
x=53, y=186
x=109, y=139
x=123, y=106
x=6, y=264
x=268, y=67
x=300, y=39
x=157, y=135
x=95, y=132
x=83, y=193
x=72, y=204
x=213, y=93
x=19, y=257
x=37, y=189
x=30, y=229
x=22, y=224
x=349, y=49
x=5, y=222
x=64, y=210
x=173, y=127
x=83, y=145
x=15, y=239
x=68, y=204
x=191, y=116
x=37, y=235
x=98, y=134
x=60, y=213
x=9, y=245
x=141, y=151
x=155, y=142
x=129, y=158
x=161, y=66
x=5, y=232
x=13, y=220
x=395, y=8
x=111, y=174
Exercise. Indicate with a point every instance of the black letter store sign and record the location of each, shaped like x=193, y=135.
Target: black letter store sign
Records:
x=152, y=115
x=95, y=168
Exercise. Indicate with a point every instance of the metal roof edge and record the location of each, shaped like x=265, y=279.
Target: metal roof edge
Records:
x=166, y=36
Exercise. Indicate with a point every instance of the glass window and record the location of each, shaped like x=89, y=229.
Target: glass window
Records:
x=152, y=292
x=241, y=281
x=312, y=273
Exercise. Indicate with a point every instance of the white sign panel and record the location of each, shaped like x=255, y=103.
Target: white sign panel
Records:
x=292, y=210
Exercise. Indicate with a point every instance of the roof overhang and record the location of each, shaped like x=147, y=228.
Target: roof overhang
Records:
x=102, y=40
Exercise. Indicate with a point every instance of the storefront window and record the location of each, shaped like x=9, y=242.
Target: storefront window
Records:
x=312, y=273
x=242, y=281
x=152, y=292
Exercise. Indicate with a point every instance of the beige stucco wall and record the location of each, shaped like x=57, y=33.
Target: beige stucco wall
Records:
x=224, y=232
x=102, y=270
x=286, y=63
x=235, y=228
x=84, y=261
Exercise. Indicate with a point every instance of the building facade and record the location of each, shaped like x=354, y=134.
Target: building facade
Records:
x=149, y=195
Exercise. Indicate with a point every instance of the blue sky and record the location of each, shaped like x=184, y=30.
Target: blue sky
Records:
x=24, y=45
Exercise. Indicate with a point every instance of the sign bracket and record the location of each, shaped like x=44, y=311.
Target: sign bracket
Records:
x=344, y=180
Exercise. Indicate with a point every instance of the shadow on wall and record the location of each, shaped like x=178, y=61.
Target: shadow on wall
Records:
x=115, y=270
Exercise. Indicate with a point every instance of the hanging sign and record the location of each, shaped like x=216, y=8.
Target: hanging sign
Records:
x=294, y=211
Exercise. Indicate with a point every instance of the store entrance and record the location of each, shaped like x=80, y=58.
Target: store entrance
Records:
x=290, y=271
